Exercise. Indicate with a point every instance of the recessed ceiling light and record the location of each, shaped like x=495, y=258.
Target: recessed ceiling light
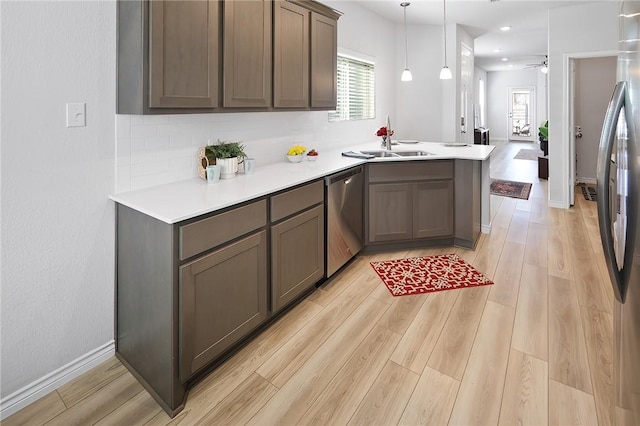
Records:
x=505, y=59
x=510, y=65
x=505, y=28
x=497, y=50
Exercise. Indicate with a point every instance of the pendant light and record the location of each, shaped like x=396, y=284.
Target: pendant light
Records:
x=445, y=72
x=406, y=74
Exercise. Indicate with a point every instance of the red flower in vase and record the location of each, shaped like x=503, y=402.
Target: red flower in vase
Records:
x=382, y=131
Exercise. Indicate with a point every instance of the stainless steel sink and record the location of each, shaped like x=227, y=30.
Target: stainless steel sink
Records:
x=380, y=153
x=413, y=153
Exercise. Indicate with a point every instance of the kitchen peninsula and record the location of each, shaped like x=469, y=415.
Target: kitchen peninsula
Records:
x=202, y=267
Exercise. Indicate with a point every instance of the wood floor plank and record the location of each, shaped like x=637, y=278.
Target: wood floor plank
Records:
x=402, y=311
x=432, y=399
x=489, y=252
x=480, y=394
x=90, y=382
x=332, y=288
x=452, y=349
x=136, y=411
x=299, y=392
x=337, y=403
x=387, y=398
x=518, y=228
x=525, y=399
x=241, y=404
x=99, y=404
x=295, y=352
x=539, y=211
x=505, y=213
x=38, y=412
x=598, y=328
x=536, y=247
x=221, y=382
x=570, y=406
x=558, y=247
x=568, y=362
x=507, y=276
x=531, y=328
x=418, y=341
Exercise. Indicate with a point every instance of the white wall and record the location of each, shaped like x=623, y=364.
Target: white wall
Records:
x=418, y=102
x=498, y=83
x=57, y=278
x=153, y=150
x=572, y=30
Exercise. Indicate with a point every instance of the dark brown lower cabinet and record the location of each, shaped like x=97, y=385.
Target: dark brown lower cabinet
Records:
x=410, y=201
x=433, y=209
x=223, y=296
x=297, y=256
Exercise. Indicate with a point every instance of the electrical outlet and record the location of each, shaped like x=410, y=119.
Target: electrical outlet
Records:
x=76, y=115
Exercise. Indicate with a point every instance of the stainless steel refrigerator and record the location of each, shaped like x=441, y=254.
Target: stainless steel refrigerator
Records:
x=618, y=184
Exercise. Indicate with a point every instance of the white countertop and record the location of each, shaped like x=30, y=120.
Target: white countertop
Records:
x=178, y=201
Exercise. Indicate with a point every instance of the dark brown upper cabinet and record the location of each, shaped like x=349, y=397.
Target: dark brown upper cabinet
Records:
x=194, y=56
x=291, y=55
x=247, y=53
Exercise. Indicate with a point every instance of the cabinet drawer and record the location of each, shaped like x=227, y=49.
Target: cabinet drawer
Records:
x=293, y=201
x=199, y=236
x=411, y=170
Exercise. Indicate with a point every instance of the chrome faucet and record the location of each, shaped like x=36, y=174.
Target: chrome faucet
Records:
x=388, y=140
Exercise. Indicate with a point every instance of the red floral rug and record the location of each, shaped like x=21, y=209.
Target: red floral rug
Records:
x=510, y=188
x=417, y=275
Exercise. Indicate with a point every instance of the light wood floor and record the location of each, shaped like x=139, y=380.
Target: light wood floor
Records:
x=534, y=348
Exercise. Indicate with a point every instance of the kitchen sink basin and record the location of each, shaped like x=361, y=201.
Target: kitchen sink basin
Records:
x=413, y=153
x=380, y=153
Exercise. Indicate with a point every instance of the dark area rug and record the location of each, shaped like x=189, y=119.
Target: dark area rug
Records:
x=418, y=275
x=589, y=193
x=528, y=154
x=510, y=188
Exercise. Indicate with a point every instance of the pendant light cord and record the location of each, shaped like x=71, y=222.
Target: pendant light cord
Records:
x=406, y=43
x=444, y=29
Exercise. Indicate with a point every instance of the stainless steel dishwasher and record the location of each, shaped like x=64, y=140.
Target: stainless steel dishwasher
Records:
x=345, y=192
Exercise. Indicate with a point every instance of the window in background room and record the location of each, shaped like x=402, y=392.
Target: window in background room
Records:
x=481, y=100
x=356, y=90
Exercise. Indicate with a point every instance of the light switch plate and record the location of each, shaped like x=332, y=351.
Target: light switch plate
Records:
x=76, y=115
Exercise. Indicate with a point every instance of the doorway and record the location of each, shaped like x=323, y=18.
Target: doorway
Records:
x=594, y=79
x=522, y=107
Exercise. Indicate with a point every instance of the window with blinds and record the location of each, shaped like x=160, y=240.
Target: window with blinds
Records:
x=356, y=90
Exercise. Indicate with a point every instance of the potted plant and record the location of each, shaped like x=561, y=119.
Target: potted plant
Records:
x=227, y=155
x=543, y=135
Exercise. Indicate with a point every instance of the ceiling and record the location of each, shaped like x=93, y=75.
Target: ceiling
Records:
x=524, y=44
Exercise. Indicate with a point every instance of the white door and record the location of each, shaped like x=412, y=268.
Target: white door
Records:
x=521, y=121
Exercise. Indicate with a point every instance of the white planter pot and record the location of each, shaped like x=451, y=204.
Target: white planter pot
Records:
x=228, y=167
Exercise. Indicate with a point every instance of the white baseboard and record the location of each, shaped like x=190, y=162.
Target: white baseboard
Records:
x=558, y=205
x=41, y=387
x=588, y=181
x=485, y=229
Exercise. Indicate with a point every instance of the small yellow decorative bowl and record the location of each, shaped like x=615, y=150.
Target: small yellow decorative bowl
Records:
x=295, y=158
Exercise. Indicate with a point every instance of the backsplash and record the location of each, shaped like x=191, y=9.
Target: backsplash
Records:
x=158, y=149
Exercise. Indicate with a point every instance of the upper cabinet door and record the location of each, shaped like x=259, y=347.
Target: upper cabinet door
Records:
x=324, y=61
x=291, y=55
x=184, y=48
x=247, y=70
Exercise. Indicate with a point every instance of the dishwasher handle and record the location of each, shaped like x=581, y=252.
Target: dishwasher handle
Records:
x=343, y=176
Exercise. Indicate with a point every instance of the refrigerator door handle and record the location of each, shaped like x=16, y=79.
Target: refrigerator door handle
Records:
x=603, y=171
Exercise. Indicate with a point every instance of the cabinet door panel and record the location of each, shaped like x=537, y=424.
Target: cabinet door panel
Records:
x=247, y=53
x=433, y=209
x=390, y=212
x=291, y=55
x=324, y=61
x=184, y=46
x=297, y=255
x=223, y=296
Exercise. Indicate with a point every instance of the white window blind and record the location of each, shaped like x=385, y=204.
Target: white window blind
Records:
x=356, y=90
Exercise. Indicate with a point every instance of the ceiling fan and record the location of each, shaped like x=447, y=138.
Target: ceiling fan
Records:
x=543, y=65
